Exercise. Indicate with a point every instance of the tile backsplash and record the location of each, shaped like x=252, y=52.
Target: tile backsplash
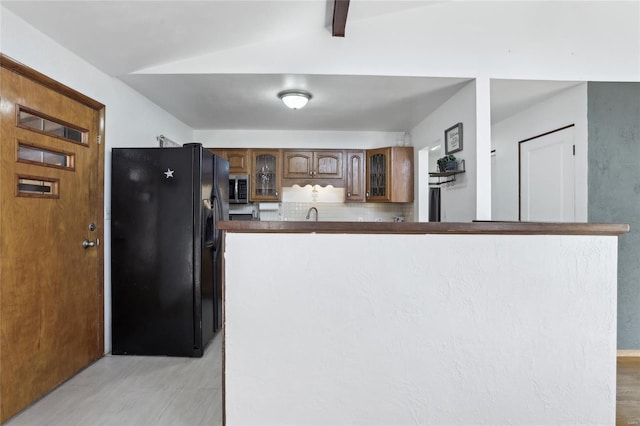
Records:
x=296, y=202
x=342, y=212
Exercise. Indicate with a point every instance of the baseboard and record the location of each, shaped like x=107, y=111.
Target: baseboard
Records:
x=628, y=353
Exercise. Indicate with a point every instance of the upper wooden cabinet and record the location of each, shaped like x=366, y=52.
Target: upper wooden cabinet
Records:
x=238, y=159
x=266, y=174
x=297, y=164
x=376, y=175
x=390, y=174
x=324, y=167
x=355, y=176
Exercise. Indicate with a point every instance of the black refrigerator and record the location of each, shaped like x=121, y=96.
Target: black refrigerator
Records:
x=166, y=249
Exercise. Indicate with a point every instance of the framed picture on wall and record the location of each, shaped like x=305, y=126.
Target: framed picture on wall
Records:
x=453, y=139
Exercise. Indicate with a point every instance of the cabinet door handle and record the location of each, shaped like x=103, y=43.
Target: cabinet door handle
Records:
x=348, y=194
x=367, y=194
x=276, y=193
x=310, y=173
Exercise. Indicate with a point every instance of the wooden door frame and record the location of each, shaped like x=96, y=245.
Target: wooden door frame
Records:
x=520, y=162
x=36, y=76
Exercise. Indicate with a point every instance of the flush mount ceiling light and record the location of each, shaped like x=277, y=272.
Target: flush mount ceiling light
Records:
x=294, y=99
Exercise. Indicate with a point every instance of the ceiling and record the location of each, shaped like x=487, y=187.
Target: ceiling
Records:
x=247, y=101
x=124, y=38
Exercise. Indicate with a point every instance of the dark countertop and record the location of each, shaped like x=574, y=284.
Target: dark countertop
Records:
x=481, y=227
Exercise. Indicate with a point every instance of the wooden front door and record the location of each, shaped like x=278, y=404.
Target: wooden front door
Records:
x=51, y=192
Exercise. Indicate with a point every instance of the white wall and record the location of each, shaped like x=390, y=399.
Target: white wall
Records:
x=568, y=107
x=507, y=329
x=483, y=149
x=295, y=139
x=458, y=202
x=131, y=119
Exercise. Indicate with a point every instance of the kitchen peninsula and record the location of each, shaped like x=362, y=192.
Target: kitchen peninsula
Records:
x=420, y=323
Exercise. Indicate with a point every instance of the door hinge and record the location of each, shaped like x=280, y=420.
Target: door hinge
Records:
x=574, y=150
x=99, y=139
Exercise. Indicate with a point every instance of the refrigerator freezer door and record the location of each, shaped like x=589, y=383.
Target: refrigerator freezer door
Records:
x=153, y=251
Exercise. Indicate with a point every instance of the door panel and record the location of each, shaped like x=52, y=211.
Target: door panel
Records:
x=328, y=164
x=298, y=164
x=51, y=306
x=378, y=177
x=266, y=174
x=547, y=179
x=355, y=184
x=238, y=160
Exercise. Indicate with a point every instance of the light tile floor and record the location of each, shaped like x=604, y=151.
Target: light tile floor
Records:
x=136, y=390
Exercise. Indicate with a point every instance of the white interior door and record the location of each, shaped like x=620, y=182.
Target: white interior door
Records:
x=547, y=177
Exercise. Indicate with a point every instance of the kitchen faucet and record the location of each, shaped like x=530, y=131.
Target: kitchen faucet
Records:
x=309, y=213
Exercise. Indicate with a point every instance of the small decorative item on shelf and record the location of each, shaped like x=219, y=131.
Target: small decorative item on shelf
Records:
x=447, y=163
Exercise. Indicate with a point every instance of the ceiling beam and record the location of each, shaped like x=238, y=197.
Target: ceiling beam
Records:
x=340, y=9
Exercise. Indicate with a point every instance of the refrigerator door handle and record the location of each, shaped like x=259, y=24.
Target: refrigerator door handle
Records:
x=217, y=214
x=209, y=221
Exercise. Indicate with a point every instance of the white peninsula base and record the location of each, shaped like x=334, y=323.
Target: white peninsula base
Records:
x=404, y=329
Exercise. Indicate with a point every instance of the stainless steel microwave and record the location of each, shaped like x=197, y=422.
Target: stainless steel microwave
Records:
x=238, y=189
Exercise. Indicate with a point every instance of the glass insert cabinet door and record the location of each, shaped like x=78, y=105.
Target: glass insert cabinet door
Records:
x=377, y=175
x=266, y=175
x=378, y=178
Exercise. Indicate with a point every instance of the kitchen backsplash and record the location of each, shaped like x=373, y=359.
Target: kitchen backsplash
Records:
x=296, y=202
x=340, y=212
